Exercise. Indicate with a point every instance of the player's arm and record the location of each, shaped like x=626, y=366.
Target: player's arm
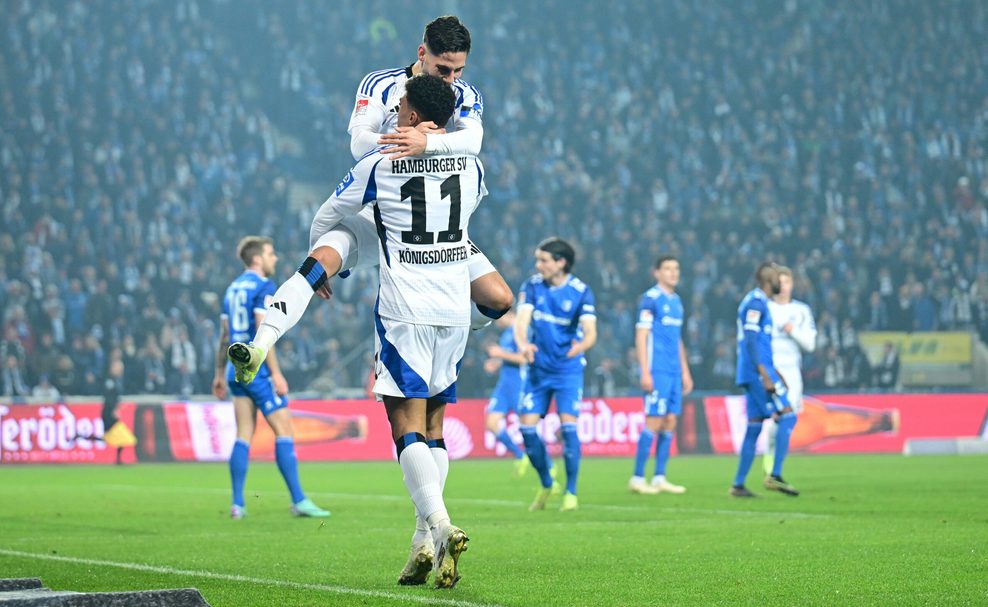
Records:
x=366, y=120
x=588, y=324
x=465, y=133
x=501, y=353
x=804, y=334
x=467, y=136
x=641, y=352
x=754, y=316
x=522, y=322
x=219, y=379
x=646, y=316
x=348, y=199
x=685, y=364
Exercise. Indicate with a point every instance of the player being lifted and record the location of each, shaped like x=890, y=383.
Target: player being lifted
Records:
x=421, y=206
x=243, y=307
x=560, y=310
x=665, y=374
x=794, y=332
x=765, y=391
x=443, y=53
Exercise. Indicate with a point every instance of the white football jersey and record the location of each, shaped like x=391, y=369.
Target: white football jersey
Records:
x=376, y=112
x=788, y=348
x=422, y=208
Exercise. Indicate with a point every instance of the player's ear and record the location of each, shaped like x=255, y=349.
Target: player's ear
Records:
x=421, y=53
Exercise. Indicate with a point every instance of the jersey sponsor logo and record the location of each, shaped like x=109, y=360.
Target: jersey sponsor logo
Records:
x=669, y=321
x=551, y=318
x=361, y=108
x=432, y=256
x=347, y=180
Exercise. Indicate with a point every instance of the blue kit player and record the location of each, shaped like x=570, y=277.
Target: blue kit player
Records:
x=243, y=306
x=665, y=374
x=510, y=365
x=559, y=308
x=765, y=390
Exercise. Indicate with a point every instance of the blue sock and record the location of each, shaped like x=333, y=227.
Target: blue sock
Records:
x=748, y=452
x=238, y=470
x=537, y=453
x=284, y=454
x=662, y=452
x=787, y=423
x=571, y=455
x=505, y=439
x=645, y=442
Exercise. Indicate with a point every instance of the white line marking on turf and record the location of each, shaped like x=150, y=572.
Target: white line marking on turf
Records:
x=505, y=503
x=402, y=598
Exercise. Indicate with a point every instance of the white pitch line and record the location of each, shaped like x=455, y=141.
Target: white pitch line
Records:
x=506, y=503
x=392, y=596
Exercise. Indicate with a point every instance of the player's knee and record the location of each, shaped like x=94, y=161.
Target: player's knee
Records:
x=669, y=424
x=492, y=292
x=329, y=258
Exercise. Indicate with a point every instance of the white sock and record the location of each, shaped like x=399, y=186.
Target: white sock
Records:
x=638, y=479
x=441, y=456
x=658, y=479
x=295, y=293
x=422, y=481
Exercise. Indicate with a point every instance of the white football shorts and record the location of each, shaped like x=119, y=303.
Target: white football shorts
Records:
x=417, y=361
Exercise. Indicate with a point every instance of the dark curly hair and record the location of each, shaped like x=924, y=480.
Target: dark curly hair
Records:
x=446, y=35
x=431, y=98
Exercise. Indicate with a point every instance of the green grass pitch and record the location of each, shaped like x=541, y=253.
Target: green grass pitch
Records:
x=868, y=530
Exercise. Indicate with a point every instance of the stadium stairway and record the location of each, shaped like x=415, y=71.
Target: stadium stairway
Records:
x=30, y=592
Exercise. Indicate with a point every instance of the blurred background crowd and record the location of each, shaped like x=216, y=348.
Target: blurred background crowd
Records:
x=139, y=141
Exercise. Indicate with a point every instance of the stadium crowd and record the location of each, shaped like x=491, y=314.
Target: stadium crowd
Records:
x=140, y=141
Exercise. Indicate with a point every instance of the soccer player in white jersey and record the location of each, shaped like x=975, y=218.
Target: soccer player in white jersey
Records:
x=443, y=53
x=421, y=207
x=794, y=332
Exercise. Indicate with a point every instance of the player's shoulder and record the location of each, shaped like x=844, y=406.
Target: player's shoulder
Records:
x=802, y=305
x=534, y=280
x=652, y=293
x=468, y=98
x=376, y=81
x=577, y=285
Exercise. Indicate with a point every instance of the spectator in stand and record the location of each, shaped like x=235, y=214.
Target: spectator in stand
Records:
x=887, y=370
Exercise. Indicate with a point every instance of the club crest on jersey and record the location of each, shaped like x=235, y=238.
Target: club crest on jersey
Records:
x=361, y=108
x=567, y=305
x=347, y=180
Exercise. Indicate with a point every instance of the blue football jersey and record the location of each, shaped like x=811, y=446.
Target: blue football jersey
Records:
x=556, y=314
x=662, y=313
x=248, y=294
x=754, y=337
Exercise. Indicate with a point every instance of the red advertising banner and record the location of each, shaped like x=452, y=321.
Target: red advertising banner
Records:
x=355, y=430
x=57, y=433
x=857, y=423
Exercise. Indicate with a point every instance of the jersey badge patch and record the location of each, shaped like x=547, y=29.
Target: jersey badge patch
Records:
x=752, y=316
x=361, y=108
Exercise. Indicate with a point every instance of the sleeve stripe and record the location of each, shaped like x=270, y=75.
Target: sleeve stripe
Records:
x=384, y=95
x=375, y=78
